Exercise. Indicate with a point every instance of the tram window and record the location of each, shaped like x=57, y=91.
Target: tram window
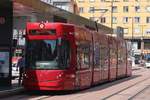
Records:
x=113, y=56
x=103, y=56
x=64, y=53
x=43, y=32
x=79, y=59
x=86, y=56
x=83, y=56
x=48, y=54
x=97, y=55
x=120, y=56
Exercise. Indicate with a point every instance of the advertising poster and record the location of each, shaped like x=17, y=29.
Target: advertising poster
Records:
x=4, y=64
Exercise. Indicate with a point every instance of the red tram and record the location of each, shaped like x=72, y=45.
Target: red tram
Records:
x=62, y=56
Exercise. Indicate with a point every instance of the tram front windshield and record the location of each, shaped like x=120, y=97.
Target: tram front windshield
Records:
x=48, y=54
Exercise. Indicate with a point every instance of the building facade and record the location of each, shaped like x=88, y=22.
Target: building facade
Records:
x=132, y=15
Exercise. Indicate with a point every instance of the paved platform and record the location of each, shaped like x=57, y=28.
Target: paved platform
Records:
x=136, y=87
x=12, y=90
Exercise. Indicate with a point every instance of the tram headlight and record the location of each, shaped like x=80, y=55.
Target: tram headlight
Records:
x=59, y=75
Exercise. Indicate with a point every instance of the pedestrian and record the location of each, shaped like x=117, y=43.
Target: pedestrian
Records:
x=21, y=67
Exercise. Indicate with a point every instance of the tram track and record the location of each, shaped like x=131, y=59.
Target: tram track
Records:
x=118, y=91
x=131, y=98
x=135, y=71
x=46, y=96
x=141, y=81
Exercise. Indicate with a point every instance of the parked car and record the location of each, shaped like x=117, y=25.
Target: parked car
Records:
x=137, y=59
x=147, y=64
x=147, y=60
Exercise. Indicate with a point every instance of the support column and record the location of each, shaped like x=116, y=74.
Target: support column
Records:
x=5, y=42
x=142, y=48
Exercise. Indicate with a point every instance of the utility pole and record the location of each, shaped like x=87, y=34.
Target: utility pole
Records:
x=132, y=25
x=111, y=14
x=142, y=42
x=133, y=63
x=132, y=51
x=132, y=29
x=111, y=23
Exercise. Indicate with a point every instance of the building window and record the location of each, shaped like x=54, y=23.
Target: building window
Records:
x=147, y=45
x=125, y=9
x=137, y=8
x=81, y=9
x=92, y=0
x=148, y=8
x=114, y=9
x=136, y=30
x=125, y=0
x=137, y=0
x=125, y=19
x=148, y=20
x=126, y=30
x=102, y=0
x=147, y=31
x=103, y=20
x=137, y=19
x=114, y=20
x=81, y=0
x=91, y=10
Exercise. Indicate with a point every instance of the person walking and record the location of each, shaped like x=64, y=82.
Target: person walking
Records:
x=21, y=67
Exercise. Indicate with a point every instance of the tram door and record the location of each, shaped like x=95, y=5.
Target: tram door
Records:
x=121, y=70
x=104, y=58
x=97, y=68
x=113, y=59
x=5, y=41
x=104, y=61
x=84, y=68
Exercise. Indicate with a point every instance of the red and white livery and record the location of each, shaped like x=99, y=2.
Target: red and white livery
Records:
x=61, y=56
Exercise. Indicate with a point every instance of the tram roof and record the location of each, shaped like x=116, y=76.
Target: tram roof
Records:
x=39, y=8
